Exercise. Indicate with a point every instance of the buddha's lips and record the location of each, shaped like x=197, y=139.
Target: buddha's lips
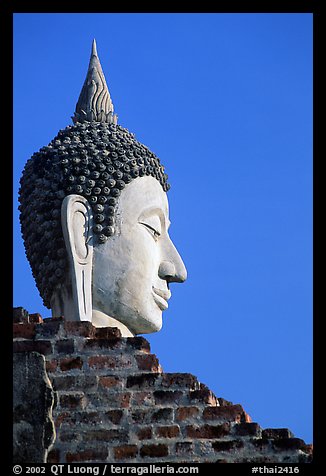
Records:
x=161, y=297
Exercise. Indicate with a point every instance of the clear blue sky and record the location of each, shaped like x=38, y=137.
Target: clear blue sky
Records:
x=225, y=100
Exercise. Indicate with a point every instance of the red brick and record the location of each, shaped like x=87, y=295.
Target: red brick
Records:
x=114, y=416
x=51, y=365
x=80, y=328
x=71, y=363
x=42, y=346
x=203, y=395
x=180, y=380
x=276, y=433
x=144, y=433
x=284, y=444
x=226, y=413
x=103, y=344
x=227, y=445
x=102, y=434
x=184, y=447
x=167, y=396
x=124, y=400
x=49, y=328
x=142, y=380
x=53, y=457
x=142, y=398
x=107, y=333
x=125, y=452
x=148, y=362
x=36, y=318
x=183, y=413
x=208, y=431
x=110, y=361
x=20, y=315
x=167, y=431
x=138, y=343
x=87, y=455
x=162, y=414
x=65, y=346
x=76, y=382
x=154, y=451
x=247, y=429
x=24, y=331
x=73, y=400
x=110, y=381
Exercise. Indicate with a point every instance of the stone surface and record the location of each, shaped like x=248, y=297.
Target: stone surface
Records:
x=33, y=397
x=116, y=404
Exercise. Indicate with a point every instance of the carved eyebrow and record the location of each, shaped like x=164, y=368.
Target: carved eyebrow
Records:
x=155, y=211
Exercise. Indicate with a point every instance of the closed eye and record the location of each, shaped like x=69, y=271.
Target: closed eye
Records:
x=152, y=231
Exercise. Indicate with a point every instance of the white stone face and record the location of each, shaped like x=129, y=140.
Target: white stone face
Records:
x=133, y=269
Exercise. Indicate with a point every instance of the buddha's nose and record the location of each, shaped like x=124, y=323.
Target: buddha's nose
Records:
x=172, y=268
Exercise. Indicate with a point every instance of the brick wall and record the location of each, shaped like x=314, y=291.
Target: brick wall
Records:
x=113, y=402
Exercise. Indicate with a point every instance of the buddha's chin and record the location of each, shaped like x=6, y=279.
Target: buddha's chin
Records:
x=145, y=323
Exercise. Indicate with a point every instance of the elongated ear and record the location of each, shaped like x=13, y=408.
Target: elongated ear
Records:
x=77, y=221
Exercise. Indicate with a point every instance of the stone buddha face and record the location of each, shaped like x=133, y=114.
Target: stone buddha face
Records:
x=133, y=270
x=95, y=219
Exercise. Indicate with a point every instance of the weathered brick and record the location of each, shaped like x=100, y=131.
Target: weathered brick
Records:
x=73, y=400
x=223, y=402
x=79, y=328
x=102, y=434
x=53, y=456
x=110, y=381
x=125, y=452
x=24, y=331
x=144, y=433
x=87, y=455
x=154, y=451
x=49, y=328
x=283, y=444
x=114, y=416
x=65, y=346
x=167, y=396
x=208, y=431
x=42, y=346
x=184, y=447
x=167, y=431
x=107, y=333
x=123, y=361
x=247, y=429
x=103, y=344
x=184, y=413
x=227, y=445
x=148, y=362
x=51, y=365
x=71, y=363
x=277, y=433
x=183, y=380
x=139, y=416
x=142, y=399
x=142, y=380
x=36, y=318
x=163, y=414
x=109, y=399
x=138, y=343
x=74, y=382
x=20, y=315
x=203, y=395
x=226, y=413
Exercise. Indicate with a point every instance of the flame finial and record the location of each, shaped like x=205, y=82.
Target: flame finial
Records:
x=94, y=103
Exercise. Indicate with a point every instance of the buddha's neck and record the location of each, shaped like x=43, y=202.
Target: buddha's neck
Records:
x=99, y=319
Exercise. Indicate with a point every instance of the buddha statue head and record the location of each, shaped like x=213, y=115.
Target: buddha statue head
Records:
x=95, y=219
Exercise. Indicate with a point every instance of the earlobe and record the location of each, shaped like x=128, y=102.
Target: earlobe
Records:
x=77, y=220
